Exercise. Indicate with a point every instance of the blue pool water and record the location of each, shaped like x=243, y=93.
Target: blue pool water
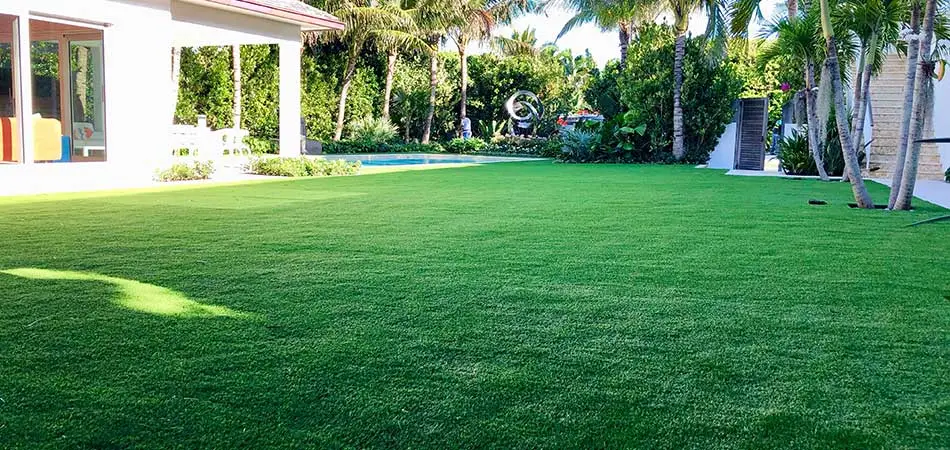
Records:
x=412, y=161
x=417, y=159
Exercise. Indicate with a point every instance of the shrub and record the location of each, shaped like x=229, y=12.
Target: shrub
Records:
x=646, y=88
x=579, y=146
x=341, y=147
x=302, y=166
x=260, y=146
x=374, y=131
x=182, y=171
x=525, y=146
x=795, y=156
x=415, y=147
x=459, y=145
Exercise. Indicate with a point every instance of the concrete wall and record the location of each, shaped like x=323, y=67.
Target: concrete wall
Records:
x=724, y=156
x=941, y=119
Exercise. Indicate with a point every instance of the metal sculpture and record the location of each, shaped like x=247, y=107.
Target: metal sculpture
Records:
x=526, y=111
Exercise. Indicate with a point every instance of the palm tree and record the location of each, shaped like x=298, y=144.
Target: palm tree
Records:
x=832, y=75
x=715, y=33
x=877, y=25
x=922, y=104
x=800, y=40
x=913, y=49
x=432, y=22
x=521, y=43
x=363, y=20
x=623, y=15
x=473, y=21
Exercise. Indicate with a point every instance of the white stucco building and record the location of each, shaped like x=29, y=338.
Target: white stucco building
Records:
x=94, y=90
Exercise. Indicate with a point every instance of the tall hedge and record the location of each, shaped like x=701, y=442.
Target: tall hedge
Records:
x=709, y=89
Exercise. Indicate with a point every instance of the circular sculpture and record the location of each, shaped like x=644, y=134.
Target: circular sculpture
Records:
x=525, y=110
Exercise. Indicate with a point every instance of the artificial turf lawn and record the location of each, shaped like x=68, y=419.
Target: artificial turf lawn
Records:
x=506, y=305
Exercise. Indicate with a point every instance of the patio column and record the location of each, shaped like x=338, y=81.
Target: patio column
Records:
x=23, y=76
x=289, y=66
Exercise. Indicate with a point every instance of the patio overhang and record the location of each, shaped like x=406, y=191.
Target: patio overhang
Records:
x=289, y=11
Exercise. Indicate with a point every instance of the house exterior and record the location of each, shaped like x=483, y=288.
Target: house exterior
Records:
x=887, y=97
x=94, y=89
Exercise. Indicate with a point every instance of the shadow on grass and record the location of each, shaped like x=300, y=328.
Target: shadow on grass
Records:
x=135, y=295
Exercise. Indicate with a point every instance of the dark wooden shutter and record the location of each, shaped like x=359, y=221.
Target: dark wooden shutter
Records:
x=750, y=143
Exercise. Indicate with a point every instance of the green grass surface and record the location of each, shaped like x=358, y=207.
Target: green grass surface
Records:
x=509, y=305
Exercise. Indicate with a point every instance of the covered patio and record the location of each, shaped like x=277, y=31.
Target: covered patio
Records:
x=95, y=77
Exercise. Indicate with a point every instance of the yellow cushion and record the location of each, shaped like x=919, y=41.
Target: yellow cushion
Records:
x=47, y=139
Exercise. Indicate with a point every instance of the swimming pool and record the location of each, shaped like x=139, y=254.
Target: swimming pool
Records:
x=416, y=159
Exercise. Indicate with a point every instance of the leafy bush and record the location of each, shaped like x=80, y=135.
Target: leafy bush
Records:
x=795, y=156
x=302, y=166
x=646, y=88
x=525, y=146
x=260, y=146
x=579, y=146
x=182, y=171
x=459, y=145
x=341, y=147
x=374, y=131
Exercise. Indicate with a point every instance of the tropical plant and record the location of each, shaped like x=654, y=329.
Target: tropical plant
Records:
x=386, y=23
x=795, y=156
x=520, y=43
x=715, y=11
x=800, y=40
x=473, y=21
x=579, y=145
x=623, y=15
x=373, y=130
x=183, y=171
x=832, y=76
x=459, y=145
x=708, y=93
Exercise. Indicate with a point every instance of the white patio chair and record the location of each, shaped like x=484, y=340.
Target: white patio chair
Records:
x=230, y=142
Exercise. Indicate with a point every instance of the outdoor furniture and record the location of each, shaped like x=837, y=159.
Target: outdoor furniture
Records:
x=86, y=138
x=230, y=141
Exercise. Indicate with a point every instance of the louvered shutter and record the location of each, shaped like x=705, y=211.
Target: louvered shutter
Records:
x=750, y=145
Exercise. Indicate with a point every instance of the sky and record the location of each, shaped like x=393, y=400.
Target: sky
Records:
x=603, y=46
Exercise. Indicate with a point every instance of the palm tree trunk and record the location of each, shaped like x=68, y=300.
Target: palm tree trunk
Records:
x=861, y=196
x=624, y=35
x=913, y=48
x=861, y=107
x=679, y=149
x=922, y=86
x=236, y=74
x=463, y=88
x=390, y=73
x=810, y=110
x=433, y=91
x=344, y=91
x=175, y=79
x=858, y=86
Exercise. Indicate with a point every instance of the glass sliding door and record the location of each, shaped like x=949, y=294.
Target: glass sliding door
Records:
x=50, y=140
x=11, y=152
x=87, y=99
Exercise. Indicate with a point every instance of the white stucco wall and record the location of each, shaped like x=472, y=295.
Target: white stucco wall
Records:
x=941, y=119
x=138, y=36
x=724, y=156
